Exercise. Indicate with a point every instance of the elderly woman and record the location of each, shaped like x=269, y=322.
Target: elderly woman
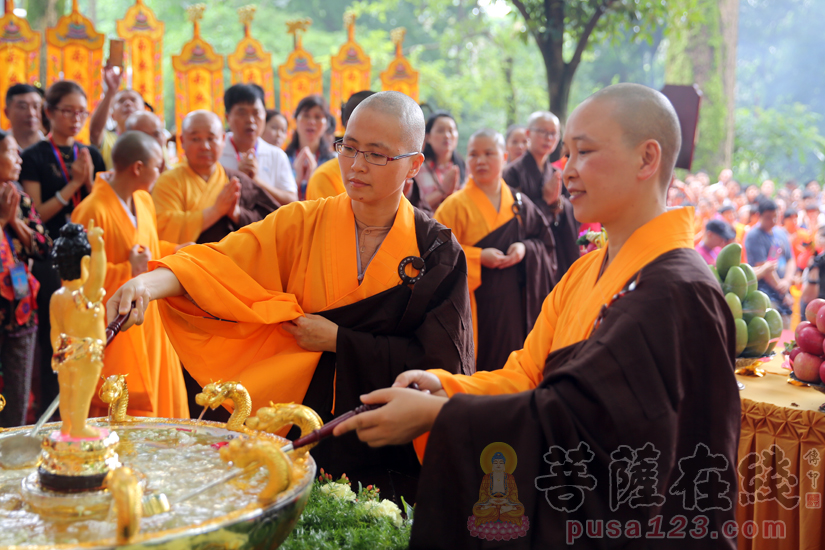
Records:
x=23, y=237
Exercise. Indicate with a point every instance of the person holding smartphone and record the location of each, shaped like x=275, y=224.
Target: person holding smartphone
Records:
x=769, y=252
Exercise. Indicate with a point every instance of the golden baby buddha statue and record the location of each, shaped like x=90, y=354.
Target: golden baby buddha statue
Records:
x=79, y=456
x=78, y=321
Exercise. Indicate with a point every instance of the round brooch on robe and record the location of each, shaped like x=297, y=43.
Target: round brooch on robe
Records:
x=417, y=263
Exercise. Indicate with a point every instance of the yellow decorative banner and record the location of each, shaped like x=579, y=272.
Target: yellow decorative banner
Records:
x=250, y=64
x=350, y=72
x=300, y=76
x=143, y=34
x=400, y=75
x=198, y=75
x=20, y=55
x=74, y=51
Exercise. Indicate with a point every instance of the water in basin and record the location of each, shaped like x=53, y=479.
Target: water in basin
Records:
x=172, y=458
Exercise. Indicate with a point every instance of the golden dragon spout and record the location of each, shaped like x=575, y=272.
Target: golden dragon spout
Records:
x=115, y=392
x=126, y=494
x=243, y=452
x=274, y=418
x=213, y=396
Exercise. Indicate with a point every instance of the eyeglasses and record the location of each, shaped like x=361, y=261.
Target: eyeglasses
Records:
x=71, y=113
x=373, y=158
x=543, y=133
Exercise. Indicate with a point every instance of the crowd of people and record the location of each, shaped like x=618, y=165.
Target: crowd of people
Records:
x=296, y=266
x=780, y=228
x=505, y=204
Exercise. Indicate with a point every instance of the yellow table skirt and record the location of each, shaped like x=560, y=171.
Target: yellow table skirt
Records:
x=781, y=463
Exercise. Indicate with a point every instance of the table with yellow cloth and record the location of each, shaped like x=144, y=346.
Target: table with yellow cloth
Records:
x=781, y=463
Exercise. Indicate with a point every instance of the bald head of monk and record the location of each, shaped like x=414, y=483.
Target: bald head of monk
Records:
x=202, y=139
x=386, y=125
x=137, y=159
x=623, y=142
x=148, y=123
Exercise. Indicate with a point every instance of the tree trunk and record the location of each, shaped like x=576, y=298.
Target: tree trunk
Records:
x=696, y=55
x=729, y=19
x=44, y=13
x=558, y=77
x=507, y=64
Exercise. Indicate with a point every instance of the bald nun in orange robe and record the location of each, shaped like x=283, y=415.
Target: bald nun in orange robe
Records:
x=325, y=300
x=629, y=367
x=120, y=203
x=511, y=260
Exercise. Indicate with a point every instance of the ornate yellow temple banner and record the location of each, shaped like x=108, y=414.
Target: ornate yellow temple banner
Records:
x=400, y=75
x=74, y=51
x=300, y=76
x=250, y=64
x=350, y=72
x=143, y=34
x=20, y=54
x=198, y=75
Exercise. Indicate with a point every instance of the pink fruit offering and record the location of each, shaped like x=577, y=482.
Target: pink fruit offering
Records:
x=807, y=366
x=796, y=351
x=800, y=327
x=813, y=308
x=810, y=340
x=820, y=320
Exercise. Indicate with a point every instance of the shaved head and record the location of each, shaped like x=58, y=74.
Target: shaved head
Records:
x=201, y=117
x=143, y=121
x=403, y=108
x=643, y=114
x=542, y=115
x=132, y=147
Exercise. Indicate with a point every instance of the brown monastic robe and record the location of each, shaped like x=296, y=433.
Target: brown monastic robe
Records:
x=524, y=175
x=637, y=419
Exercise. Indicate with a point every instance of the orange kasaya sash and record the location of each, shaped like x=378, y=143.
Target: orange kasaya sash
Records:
x=584, y=292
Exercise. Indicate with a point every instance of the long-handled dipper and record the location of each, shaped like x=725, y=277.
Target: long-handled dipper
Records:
x=159, y=503
x=21, y=449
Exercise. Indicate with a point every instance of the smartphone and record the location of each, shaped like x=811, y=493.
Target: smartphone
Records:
x=116, y=52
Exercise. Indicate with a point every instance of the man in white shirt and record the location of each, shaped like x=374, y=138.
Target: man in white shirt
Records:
x=267, y=165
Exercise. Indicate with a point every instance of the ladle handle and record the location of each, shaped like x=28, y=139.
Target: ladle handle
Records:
x=326, y=430
x=45, y=416
x=114, y=327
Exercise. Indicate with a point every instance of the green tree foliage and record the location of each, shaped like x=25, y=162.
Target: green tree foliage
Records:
x=563, y=31
x=779, y=53
x=483, y=61
x=779, y=143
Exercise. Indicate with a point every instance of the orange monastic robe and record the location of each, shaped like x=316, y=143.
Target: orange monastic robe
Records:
x=301, y=258
x=326, y=181
x=569, y=312
x=155, y=382
x=181, y=196
x=471, y=216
